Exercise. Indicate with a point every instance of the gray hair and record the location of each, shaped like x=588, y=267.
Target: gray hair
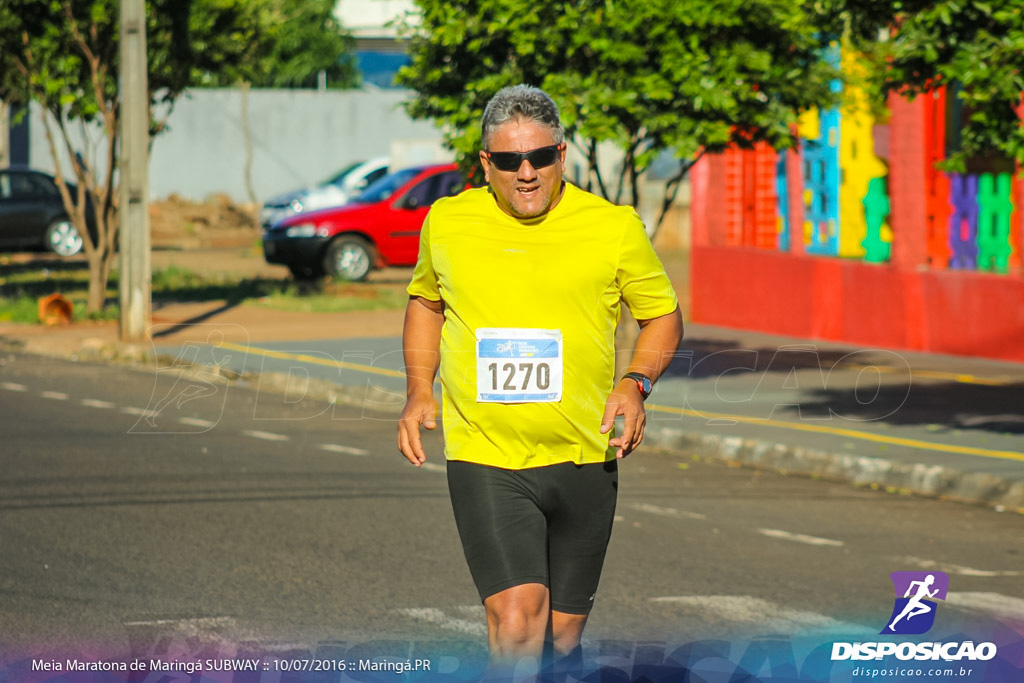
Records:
x=520, y=102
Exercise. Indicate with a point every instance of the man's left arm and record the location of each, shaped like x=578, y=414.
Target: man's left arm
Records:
x=655, y=347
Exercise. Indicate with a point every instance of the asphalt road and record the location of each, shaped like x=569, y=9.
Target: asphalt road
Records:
x=145, y=511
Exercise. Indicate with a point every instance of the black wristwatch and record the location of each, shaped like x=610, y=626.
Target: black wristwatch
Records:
x=643, y=383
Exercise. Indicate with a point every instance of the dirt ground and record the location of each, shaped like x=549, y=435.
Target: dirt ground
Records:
x=213, y=237
x=175, y=223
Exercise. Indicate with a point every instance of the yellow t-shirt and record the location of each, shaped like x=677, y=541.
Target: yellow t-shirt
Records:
x=564, y=271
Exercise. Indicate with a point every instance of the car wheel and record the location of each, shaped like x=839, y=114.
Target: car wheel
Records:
x=62, y=238
x=349, y=258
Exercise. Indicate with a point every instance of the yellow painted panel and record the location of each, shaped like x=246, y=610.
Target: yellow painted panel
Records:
x=857, y=161
x=809, y=125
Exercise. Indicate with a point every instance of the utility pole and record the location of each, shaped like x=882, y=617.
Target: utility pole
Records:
x=5, y=134
x=134, y=259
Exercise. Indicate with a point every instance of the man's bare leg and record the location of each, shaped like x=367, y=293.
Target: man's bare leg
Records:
x=566, y=632
x=517, y=625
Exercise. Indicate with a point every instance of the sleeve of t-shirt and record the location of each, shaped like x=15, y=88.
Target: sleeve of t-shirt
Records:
x=641, y=277
x=424, y=279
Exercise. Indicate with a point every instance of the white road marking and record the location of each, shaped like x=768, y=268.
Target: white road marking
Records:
x=266, y=436
x=664, y=512
x=957, y=569
x=96, y=403
x=799, y=538
x=347, y=450
x=994, y=604
x=183, y=635
x=130, y=410
x=196, y=422
x=55, y=395
x=11, y=386
x=436, y=616
x=431, y=467
x=745, y=609
x=198, y=623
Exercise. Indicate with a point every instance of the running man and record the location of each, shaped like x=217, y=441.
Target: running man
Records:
x=915, y=606
x=515, y=298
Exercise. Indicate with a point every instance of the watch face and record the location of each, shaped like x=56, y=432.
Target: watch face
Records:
x=643, y=383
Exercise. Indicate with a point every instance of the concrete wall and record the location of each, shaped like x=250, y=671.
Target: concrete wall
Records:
x=298, y=138
x=301, y=137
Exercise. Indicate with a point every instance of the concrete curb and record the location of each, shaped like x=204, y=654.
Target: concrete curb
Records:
x=935, y=481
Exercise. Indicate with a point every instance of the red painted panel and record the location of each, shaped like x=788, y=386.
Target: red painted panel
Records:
x=908, y=180
x=975, y=314
x=731, y=204
x=874, y=313
x=752, y=288
x=795, y=187
x=937, y=197
x=1017, y=221
x=964, y=313
x=829, y=297
x=700, y=174
x=718, y=198
x=766, y=221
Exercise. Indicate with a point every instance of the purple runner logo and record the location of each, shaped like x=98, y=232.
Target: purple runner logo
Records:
x=914, y=612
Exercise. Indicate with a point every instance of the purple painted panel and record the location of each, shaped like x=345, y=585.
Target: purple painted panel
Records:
x=963, y=221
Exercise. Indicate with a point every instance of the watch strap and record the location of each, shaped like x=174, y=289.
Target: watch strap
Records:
x=643, y=383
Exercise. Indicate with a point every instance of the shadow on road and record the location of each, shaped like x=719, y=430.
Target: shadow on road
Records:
x=861, y=385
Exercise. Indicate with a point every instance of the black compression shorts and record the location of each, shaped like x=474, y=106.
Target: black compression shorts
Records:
x=548, y=525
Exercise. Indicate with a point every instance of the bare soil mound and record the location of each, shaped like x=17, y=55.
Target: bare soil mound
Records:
x=177, y=223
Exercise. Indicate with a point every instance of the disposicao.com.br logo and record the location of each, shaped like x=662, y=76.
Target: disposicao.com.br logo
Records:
x=913, y=613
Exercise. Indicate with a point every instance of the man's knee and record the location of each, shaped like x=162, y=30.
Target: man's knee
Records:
x=518, y=615
x=566, y=632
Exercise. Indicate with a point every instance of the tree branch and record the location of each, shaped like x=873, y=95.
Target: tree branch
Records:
x=673, y=184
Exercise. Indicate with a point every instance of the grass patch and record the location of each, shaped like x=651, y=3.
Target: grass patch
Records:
x=21, y=286
x=335, y=297
x=19, y=309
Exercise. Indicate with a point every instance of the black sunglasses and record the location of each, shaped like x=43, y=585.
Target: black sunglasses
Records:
x=511, y=161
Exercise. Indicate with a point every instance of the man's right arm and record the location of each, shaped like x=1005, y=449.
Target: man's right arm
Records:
x=421, y=342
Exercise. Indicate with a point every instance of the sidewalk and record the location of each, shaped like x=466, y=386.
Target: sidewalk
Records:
x=904, y=422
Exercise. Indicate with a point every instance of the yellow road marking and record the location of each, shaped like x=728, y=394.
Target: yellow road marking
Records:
x=939, y=374
x=316, y=360
x=781, y=424
x=847, y=433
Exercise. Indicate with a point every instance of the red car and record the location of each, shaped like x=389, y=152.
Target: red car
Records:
x=378, y=228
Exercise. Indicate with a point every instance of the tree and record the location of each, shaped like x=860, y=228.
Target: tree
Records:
x=973, y=46
x=302, y=46
x=684, y=76
x=304, y=41
x=63, y=55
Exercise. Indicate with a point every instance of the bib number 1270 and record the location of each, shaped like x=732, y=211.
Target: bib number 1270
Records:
x=519, y=376
x=518, y=365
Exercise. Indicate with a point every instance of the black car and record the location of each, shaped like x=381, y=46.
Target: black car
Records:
x=32, y=214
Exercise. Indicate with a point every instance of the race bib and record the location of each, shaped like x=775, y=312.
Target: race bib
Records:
x=518, y=365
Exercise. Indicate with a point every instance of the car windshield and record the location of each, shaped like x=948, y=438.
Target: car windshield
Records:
x=386, y=186
x=339, y=177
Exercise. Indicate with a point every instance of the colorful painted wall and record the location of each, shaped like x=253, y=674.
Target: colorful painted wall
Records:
x=857, y=237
